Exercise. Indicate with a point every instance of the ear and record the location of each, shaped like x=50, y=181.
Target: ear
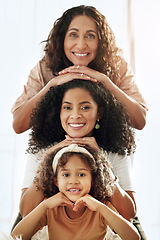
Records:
x=55, y=181
x=100, y=113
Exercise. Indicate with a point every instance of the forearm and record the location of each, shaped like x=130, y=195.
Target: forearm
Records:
x=124, y=203
x=121, y=226
x=26, y=227
x=136, y=112
x=21, y=116
x=30, y=199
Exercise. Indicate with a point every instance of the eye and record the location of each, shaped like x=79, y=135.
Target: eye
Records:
x=90, y=36
x=81, y=174
x=66, y=175
x=73, y=34
x=66, y=107
x=85, y=107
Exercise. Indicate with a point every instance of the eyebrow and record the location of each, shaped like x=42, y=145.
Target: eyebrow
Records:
x=78, y=169
x=77, y=30
x=65, y=102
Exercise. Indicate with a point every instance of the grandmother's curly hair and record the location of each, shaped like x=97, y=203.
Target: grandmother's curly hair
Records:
x=103, y=183
x=109, y=56
x=115, y=133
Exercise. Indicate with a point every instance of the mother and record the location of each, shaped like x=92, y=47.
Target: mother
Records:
x=80, y=45
x=73, y=109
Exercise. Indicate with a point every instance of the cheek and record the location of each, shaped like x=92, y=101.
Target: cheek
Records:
x=67, y=46
x=62, y=117
x=93, y=117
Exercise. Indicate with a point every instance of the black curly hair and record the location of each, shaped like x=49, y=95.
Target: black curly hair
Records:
x=109, y=56
x=104, y=184
x=115, y=133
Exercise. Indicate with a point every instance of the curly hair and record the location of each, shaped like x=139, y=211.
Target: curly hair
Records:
x=104, y=184
x=115, y=133
x=108, y=57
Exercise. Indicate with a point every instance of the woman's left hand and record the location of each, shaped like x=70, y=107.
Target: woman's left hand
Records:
x=84, y=141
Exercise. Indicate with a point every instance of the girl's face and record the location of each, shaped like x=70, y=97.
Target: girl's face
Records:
x=74, y=178
x=81, y=40
x=79, y=113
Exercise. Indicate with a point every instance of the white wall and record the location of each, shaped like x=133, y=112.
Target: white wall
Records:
x=23, y=25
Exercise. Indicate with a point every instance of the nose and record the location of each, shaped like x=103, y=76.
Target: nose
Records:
x=81, y=43
x=75, y=114
x=73, y=180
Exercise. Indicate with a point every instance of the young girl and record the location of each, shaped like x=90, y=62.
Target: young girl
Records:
x=77, y=185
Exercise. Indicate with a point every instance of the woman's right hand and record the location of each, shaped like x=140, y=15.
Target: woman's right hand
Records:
x=66, y=142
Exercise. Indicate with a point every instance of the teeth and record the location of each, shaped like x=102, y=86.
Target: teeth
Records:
x=73, y=190
x=81, y=54
x=76, y=124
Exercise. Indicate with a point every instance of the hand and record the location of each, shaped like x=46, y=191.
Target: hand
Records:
x=68, y=76
x=66, y=142
x=85, y=141
x=96, y=75
x=56, y=200
x=88, y=201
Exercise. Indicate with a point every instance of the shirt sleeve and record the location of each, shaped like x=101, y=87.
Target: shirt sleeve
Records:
x=30, y=170
x=122, y=168
x=128, y=85
x=34, y=84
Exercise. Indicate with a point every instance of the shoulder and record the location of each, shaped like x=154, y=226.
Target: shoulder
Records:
x=118, y=161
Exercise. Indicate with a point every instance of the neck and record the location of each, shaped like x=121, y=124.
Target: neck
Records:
x=72, y=214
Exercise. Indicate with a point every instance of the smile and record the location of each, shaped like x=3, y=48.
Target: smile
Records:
x=76, y=125
x=81, y=54
x=74, y=190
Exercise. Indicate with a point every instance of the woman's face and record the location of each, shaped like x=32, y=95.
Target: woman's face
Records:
x=79, y=113
x=81, y=40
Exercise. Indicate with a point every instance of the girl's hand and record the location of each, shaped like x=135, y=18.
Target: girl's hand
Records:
x=56, y=200
x=85, y=141
x=90, y=202
x=68, y=76
x=97, y=76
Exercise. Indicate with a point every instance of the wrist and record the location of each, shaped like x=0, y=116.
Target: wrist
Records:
x=44, y=205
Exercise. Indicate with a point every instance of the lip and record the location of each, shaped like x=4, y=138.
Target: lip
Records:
x=76, y=125
x=80, y=55
x=74, y=191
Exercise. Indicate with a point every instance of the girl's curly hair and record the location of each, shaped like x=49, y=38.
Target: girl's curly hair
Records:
x=115, y=133
x=103, y=184
x=108, y=57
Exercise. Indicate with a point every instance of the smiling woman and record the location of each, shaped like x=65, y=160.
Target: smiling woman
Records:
x=81, y=41
x=79, y=113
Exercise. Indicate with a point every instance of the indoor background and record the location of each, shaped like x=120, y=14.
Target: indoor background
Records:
x=23, y=25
